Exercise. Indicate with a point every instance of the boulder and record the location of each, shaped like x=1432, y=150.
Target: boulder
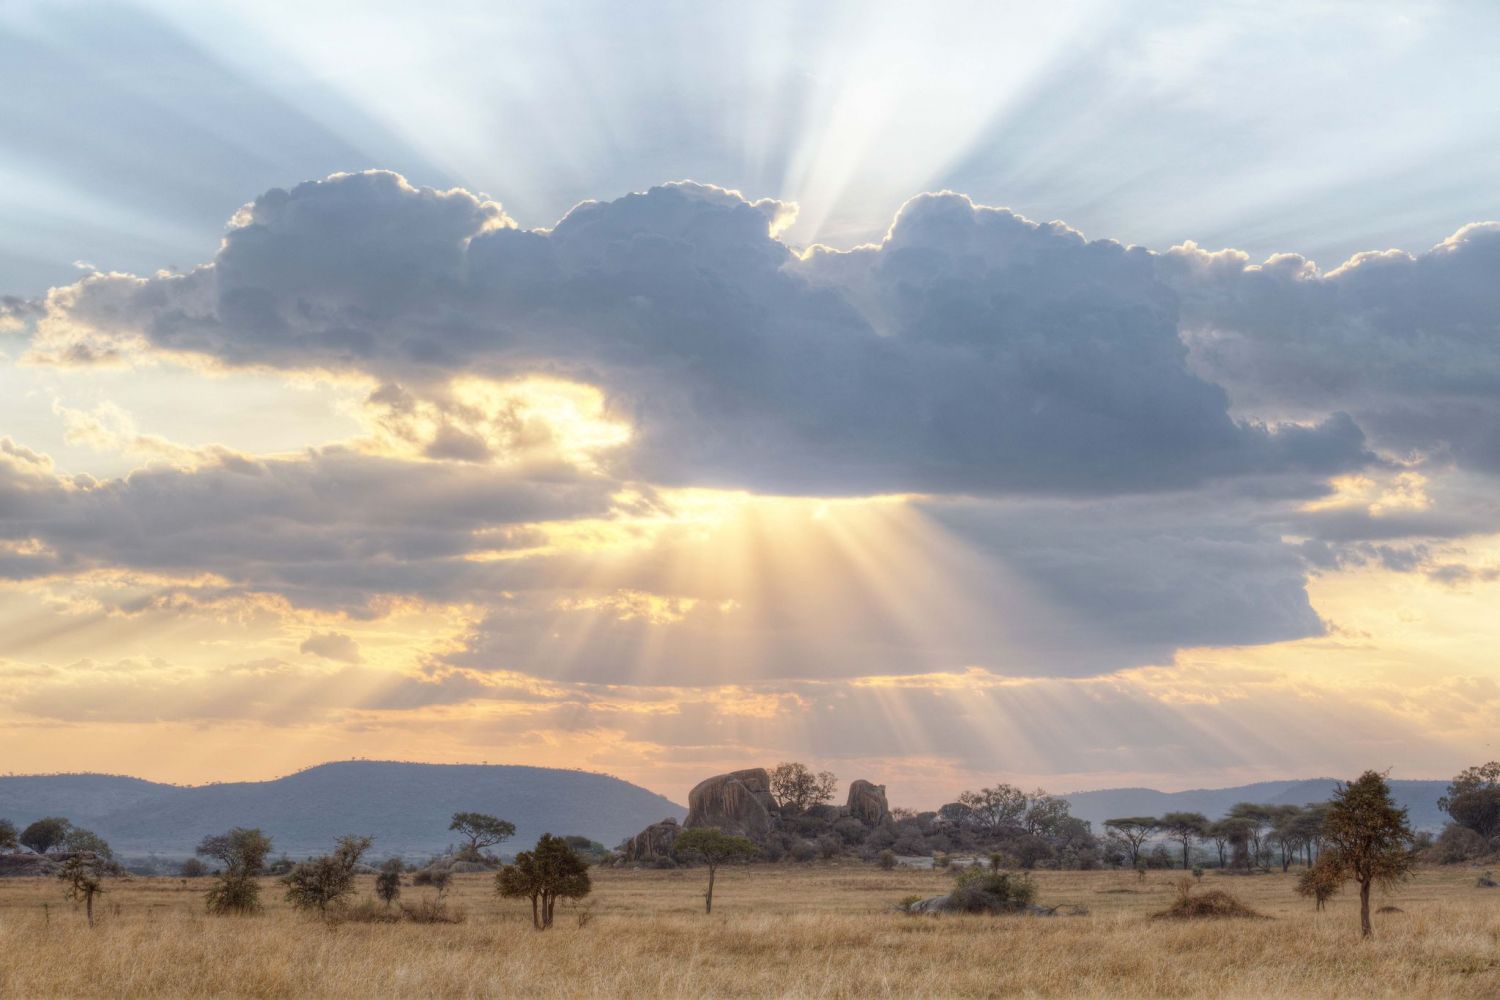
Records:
x=653, y=842
x=867, y=803
x=738, y=803
x=26, y=866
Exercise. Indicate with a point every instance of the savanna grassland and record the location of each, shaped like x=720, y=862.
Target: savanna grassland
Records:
x=815, y=931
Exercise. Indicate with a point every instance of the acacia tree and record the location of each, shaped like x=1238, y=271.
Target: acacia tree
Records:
x=1473, y=799
x=482, y=830
x=549, y=871
x=1185, y=828
x=242, y=851
x=1253, y=821
x=82, y=876
x=1287, y=832
x=1134, y=831
x=9, y=839
x=79, y=841
x=794, y=786
x=1219, y=832
x=45, y=834
x=325, y=882
x=714, y=847
x=1366, y=838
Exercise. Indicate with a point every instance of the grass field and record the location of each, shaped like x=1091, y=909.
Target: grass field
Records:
x=815, y=931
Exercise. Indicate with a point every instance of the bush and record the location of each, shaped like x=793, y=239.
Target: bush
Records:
x=193, y=868
x=981, y=891
x=829, y=846
x=887, y=860
x=233, y=894
x=912, y=845
x=1458, y=844
x=804, y=851
x=431, y=911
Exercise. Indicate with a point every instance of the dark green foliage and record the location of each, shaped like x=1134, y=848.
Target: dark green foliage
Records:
x=1473, y=799
x=325, y=882
x=983, y=891
x=45, y=834
x=549, y=871
x=242, y=851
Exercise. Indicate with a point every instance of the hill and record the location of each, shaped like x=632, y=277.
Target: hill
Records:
x=1419, y=797
x=404, y=806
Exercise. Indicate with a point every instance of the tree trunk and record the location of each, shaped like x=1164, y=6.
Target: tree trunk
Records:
x=708, y=897
x=1185, y=865
x=536, y=918
x=1364, y=909
x=88, y=906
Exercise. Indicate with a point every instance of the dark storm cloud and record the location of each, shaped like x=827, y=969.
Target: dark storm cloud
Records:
x=972, y=351
x=1409, y=345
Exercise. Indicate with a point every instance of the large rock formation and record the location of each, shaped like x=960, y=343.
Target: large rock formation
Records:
x=739, y=803
x=653, y=842
x=867, y=802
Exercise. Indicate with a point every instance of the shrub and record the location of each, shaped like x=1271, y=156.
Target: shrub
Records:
x=981, y=891
x=887, y=859
x=1486, y=881
x=912, y=845
x=388, y=882
x=1458, y=844
x=829, y=846
x=431, y=911
x=940, y=860
x=804, y=851
x=192, y=868
x=325, y=882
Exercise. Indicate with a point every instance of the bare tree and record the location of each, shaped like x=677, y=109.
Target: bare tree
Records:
x=82, y=876
x=994, y=810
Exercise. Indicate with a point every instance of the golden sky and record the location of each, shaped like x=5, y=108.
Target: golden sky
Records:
x=654, y=494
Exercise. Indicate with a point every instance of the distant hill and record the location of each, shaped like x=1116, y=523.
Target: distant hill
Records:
x=405, y=807
x=1419, y=797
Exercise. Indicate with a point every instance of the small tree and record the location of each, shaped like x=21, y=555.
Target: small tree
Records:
x=1185, y=828
x=242, y=851
x=481, y=830
x=994, y=810
x=547, y=872
x=325, y=882
x=1367, y=839
x=715, y=847
x=9, y=838
x=388, y=882
x=1134, y=831
x=192, y=868
x=82, y=876
x=796, y=787
x=45, y=834
x=1320, y=882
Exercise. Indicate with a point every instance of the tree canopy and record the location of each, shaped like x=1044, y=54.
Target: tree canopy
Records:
x=482, y=830
x=794, y=786
x=1473, y=799
x=45, y=834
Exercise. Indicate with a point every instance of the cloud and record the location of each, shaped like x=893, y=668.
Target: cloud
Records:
x=331, y=646
x=1407, y=344
x=971, y=351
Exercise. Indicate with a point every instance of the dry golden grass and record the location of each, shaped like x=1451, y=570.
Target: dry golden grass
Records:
x=826, y=931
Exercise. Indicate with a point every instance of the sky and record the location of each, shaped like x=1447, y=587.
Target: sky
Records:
x=1074, y=395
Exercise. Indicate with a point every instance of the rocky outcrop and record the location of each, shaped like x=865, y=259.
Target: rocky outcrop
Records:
x=739, y=803
x=653, y=842
x=867, y=803
x=26, y=866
